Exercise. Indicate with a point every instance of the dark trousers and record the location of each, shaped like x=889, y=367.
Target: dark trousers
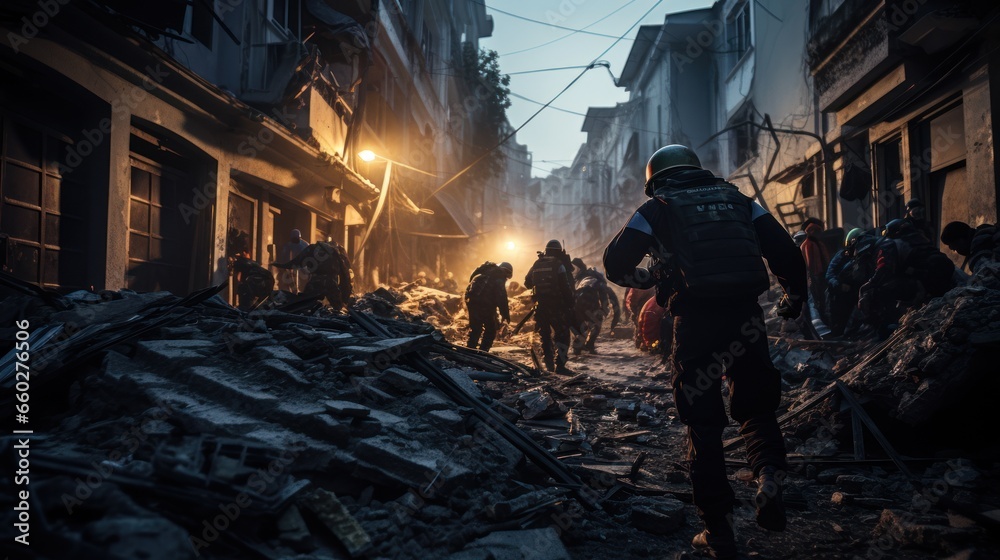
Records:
x=590, y=317
x=482, y=321
x=708, y=344
x=841, y=306
x=552, y=325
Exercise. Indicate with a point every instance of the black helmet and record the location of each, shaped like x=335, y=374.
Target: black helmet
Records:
x=553, y=245
x=897, y=228
x=674, y=156
x=578, y=262
x=506, y=266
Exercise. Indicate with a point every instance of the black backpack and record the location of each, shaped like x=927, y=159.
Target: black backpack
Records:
x=480, y=281
x=547, y=276
x=711, y=233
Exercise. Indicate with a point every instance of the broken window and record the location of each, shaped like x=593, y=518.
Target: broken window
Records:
x=738, y=34
x=285, y=15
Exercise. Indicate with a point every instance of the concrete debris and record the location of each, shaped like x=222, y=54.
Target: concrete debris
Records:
x=534, y=544
x=219, y=428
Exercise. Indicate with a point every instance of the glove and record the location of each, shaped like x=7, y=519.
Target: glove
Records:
x=789, y=307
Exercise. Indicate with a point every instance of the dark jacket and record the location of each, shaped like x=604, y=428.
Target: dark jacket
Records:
x=324, y=259
x=560, y=293
x=491, y=294
x=642, y=236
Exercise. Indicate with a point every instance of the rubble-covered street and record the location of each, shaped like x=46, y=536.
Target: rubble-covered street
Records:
x=499, y=280
x=183, y=428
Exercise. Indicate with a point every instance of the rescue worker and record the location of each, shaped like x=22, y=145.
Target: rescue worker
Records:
x=973, y=244
x=857, y=272
x=916, y=214
x=908, y=271
x=484, y=296
x=329, y=271
x=635, y=299
x=649, y=328
x=288, y=279
x=841, y=289
x=551, y=281
x=708, y=239
x=591, y=297
x=421, y=279
x=254, y=283
x=817, y=258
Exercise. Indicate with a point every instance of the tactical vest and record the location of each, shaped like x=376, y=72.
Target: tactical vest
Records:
x=710, y=232
x=546, y=276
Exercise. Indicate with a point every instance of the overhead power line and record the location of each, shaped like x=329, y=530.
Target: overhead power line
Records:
x=545, y=23
x=503, y=140
x=557, y=39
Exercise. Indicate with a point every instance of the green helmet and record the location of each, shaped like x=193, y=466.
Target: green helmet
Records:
x=852, y=235
x=674, y=156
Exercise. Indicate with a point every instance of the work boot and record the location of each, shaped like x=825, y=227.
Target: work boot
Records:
x=717, y=540
x=549, y=364
x=561, y=369
x=770, y=507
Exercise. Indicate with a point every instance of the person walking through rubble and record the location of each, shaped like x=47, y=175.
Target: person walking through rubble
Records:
x=551, y=281
x=592, y=296
x=484, y=296
x=708, y=239
x=329, y=271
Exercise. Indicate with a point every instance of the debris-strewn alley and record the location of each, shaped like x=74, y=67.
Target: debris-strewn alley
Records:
x=484, y=280
x=181, y=427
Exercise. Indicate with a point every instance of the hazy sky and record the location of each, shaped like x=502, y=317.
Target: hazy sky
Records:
x=554, y=136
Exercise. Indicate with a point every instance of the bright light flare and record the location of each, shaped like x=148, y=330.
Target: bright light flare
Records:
x=366, y=155
x=511, y=246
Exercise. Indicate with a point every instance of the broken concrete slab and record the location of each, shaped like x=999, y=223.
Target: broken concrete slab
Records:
x=406, y=382
x=282, y=371
x=230, y=388
x=347, y=409
x=177, y=353
x=533, y=544
x=275, y=352
x=382, y=353
x=383, y=459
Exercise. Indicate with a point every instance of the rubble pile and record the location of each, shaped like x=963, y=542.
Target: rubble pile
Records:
x=940, y=355
x=178, y=428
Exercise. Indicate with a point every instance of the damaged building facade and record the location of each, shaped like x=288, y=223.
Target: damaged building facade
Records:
x=145, y=145
x=839, y=110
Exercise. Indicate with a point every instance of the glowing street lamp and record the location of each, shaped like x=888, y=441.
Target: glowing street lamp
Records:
x=369, y=156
